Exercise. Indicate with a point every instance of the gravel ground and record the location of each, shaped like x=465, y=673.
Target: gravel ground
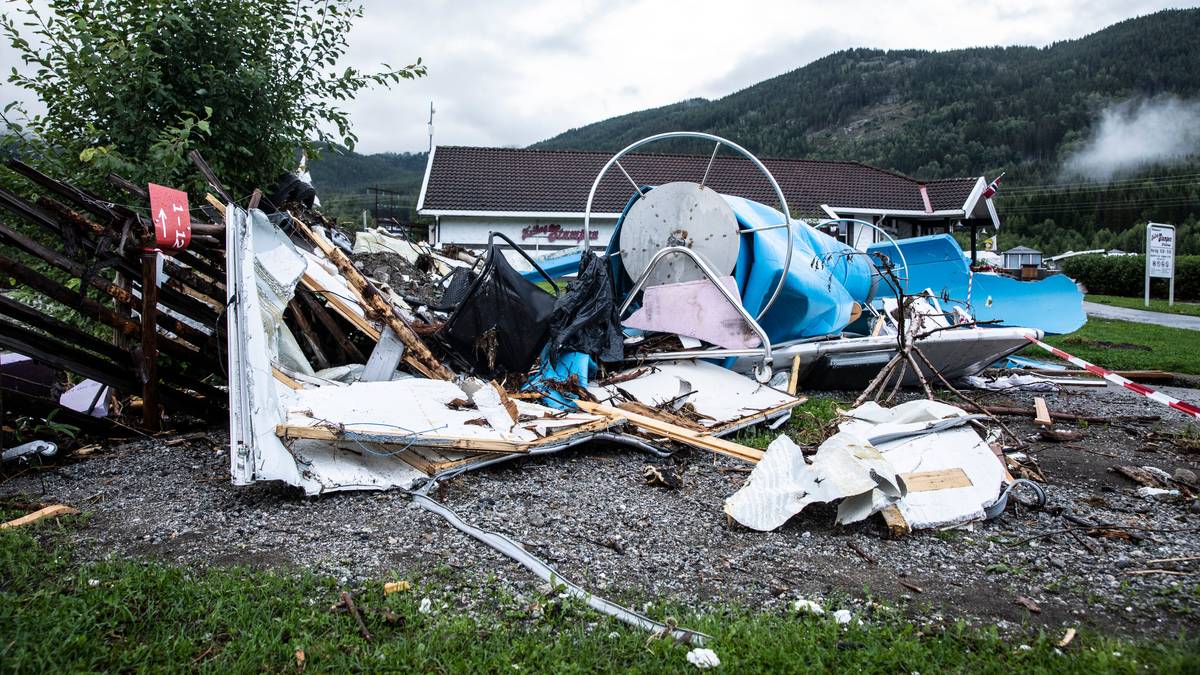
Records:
x=588, y=513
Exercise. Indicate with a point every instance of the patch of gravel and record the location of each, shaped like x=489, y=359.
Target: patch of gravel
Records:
x=589, y=513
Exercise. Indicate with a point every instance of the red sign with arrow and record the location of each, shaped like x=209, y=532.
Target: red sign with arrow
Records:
x=172, y=222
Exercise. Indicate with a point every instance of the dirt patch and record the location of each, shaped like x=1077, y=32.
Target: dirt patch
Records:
x=175, y=503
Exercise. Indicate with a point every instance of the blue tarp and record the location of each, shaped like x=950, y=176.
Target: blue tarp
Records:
x=824, y=279
x=936, y=262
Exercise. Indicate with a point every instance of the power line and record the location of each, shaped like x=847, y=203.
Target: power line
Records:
x=1090, y=186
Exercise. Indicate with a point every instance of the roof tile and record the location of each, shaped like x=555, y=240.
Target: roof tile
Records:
x=506, y=179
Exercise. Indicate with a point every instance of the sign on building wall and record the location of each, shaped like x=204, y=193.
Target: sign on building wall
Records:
x=556, y=232
x=1160, y=257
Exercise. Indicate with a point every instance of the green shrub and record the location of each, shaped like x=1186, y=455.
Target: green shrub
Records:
x=1125, y=275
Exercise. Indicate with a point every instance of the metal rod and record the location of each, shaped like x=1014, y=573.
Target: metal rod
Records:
x=710, y=163
x=636, y=188
x=733, y=300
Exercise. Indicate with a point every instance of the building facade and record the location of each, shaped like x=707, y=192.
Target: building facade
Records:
x=538, y=197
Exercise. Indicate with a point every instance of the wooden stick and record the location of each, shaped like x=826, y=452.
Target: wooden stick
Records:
x=348, y=601
x=148, y=367
x=899, y=383
x=676, y=433
x=48, y=512
x=883, y=372
x=1016, y=439
x=793, y=379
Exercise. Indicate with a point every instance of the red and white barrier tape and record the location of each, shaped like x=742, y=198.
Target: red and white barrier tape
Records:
x=1181, y=406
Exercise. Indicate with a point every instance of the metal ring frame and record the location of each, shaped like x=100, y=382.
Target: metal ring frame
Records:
x=878, y=229
x=763, y=372
x=787, y=218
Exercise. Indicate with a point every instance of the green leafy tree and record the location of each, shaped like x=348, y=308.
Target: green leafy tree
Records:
x=131, y=86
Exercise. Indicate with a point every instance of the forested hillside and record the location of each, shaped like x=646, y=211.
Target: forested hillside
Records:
x=1022, y=110
x=937, y=114
x=343, y=179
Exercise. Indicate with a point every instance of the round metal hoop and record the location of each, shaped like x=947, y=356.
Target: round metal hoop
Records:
x=880, y=230
x=787, y=219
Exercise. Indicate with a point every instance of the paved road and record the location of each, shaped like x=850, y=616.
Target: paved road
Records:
x=1141, y=316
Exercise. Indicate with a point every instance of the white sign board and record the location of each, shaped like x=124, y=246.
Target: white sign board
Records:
x=1160, y=250
x=1160, y=257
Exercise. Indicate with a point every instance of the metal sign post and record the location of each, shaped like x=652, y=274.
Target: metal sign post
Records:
x=1160, y=257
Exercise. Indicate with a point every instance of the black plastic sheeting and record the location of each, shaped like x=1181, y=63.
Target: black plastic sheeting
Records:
x=585, y=317
x=502, y=323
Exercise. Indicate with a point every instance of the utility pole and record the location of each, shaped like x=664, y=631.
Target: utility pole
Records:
x=431, y=111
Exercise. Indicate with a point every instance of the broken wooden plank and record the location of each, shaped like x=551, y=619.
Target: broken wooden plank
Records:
x=1135, y=375
x=308, y=335
x=418, y=354
x=283, y=377
x=1041, y=415
x=49, y=512
x=794, y=377
x=941, y=479
x=896, y=524
x=328, y=433
x=339, y=305
x=676, y=432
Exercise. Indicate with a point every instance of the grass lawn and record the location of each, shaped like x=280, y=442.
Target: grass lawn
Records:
x=57, y=615
x=1124, y=345
x=1156, y=305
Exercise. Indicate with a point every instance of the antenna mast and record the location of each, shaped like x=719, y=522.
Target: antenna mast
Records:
x=431, y=111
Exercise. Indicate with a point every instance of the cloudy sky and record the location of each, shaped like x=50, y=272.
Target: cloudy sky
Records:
x=512, y=73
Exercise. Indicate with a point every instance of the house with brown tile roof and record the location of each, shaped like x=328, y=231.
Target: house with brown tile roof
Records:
x=538, y=197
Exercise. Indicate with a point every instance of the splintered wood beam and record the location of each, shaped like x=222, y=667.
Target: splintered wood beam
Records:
x=416, y=354
x=326, y=433
x=210, y=176
x=41, y=514
x=129, y=186
x=676, y=433
x=896, y=524
x=88, y=201
x=308, y=335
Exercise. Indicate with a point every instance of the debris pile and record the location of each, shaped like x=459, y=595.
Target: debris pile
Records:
x=382, y=363
x=92, y=313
